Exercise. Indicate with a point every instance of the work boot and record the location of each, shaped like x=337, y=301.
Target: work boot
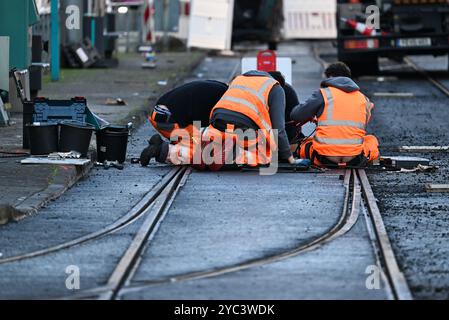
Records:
x=155, y=140
x=157, y=149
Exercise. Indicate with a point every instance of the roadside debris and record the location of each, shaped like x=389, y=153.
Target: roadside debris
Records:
x=110, y=164
x=9, y=214
x=150, y=57
x=421, y=168
x=116, y=102
x=404, y=162
x=162, y=83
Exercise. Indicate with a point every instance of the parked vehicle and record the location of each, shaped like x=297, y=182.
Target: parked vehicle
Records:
x=260, y=20
x=406, y=28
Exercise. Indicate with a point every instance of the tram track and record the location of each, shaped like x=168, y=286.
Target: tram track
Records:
x=435, y=82
x=357, y=189
x=155, y=205
x=356, y=186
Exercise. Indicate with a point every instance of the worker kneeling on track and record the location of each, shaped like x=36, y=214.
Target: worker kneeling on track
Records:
x=247, y=127
x=342, y=113
x=179, y=108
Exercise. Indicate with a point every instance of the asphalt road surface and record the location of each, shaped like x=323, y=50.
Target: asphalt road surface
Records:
x=220, y=219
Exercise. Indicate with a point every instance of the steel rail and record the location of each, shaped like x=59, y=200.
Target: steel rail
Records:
x=154, y=216
x=134, y=214
x=347, y=220
x=395, y=277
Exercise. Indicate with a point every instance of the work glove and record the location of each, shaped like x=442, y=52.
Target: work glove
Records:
x=302, y=163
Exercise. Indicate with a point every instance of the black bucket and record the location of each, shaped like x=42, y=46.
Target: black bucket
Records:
x=43, y=138
x=112, y=143
x=75, y=136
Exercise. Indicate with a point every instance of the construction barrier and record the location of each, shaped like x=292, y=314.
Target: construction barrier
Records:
x=310, y=19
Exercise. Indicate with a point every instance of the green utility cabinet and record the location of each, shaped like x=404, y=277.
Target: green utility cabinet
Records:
x=16, y=19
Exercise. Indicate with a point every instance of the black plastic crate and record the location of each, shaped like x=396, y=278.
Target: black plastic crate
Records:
x=52, y=111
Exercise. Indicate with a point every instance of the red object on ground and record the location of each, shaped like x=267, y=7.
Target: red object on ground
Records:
x=266, y=61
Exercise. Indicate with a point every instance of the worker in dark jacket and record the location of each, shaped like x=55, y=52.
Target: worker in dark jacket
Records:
x=180, y=107
x=342, y=113
x=254, y=101
x=291, y=101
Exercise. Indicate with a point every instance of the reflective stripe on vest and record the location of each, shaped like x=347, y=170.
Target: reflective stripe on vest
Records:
x=339, y=141
x=330, y=122
x=258, y=94
x=343, y=123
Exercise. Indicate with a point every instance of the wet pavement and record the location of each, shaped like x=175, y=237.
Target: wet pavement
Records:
x=417, y=222
x=219, y=219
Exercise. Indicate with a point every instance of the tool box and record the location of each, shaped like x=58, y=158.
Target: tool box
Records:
x=43, y=110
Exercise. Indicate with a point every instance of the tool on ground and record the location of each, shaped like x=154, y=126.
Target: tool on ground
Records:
x=403, y=162
x=116, y=102
x=421, y=168
x=110, y=164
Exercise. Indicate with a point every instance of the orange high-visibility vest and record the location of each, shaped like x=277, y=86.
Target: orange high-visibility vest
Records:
x=248, y=95
x=342, y=125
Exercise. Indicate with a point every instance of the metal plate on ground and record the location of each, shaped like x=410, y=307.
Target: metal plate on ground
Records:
x=404, y=162
x=42, y=160
x=424, y=149
x=437, y=187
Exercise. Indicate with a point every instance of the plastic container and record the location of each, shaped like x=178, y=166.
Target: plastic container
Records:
x=112, y=144
x=75, y=136
x=44, y=110
x=43, y=138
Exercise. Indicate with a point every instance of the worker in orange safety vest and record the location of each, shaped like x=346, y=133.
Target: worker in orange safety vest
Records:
x=254, y=104
x=341, y=113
